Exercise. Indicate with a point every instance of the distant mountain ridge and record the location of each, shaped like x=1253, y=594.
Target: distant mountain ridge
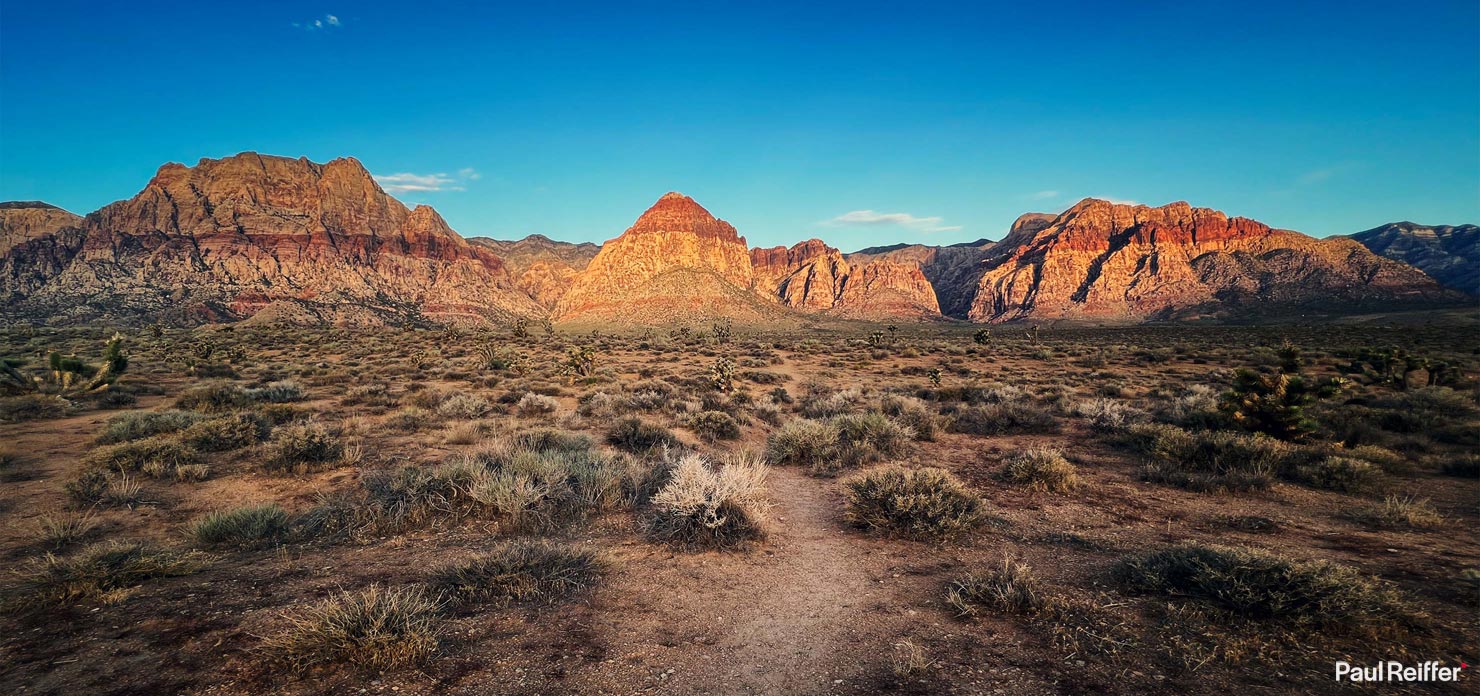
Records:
x=278, y=239
x=1448, y=253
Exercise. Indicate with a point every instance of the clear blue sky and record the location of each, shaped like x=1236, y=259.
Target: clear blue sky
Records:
x=859, y=122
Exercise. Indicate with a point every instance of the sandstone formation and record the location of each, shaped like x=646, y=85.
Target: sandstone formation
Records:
x=1106, y=261
x=37, y=241
x=952, y=270
x=542, y=267
x=1449, y=254
x=813, y=276
x=677, y=262
x=228, y=238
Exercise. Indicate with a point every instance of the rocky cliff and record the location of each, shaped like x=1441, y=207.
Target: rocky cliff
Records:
x=1449, y=254
x=542, y=267
x=813, y=276
x=228, y=238
x=37, y=241
x=1105, y=261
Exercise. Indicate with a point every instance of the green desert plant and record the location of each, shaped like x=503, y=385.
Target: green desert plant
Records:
x=107, y=571
x=246, y=526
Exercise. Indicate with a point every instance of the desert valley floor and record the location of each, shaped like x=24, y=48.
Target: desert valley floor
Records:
x=916, y=509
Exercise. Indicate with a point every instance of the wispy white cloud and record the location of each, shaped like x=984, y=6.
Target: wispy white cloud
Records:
x=328, y=21
x=1316, y=176
x=870, y=218
x=1044, y=195
x=407, y=182
x=1117, y=201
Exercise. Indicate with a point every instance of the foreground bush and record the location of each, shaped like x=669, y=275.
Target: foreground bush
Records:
x=521, y=571
x=247, y=526
x=105, y=571
x=126, y=427
x=706, y=507
x=1020, y=417
x=807, y=443
x=1208, y=461
x=301, y=448
x=1041, y=469
x=927, y=503
x=1261, y=585
x=159, y=456
x=714, y=425
x=375, y=629
x=1398, y=512
x=637, y=436
x=1010, y=588
x=226, y=433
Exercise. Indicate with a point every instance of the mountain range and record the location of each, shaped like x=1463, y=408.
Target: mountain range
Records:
x=274, y=239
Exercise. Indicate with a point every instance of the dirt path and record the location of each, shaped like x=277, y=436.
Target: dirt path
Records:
x=785, y=637
x=802, y=614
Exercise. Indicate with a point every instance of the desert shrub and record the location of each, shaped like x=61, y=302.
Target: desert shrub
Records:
x=276, y=393
x=1208, y=461
x=125, y=427
x=409, y=419
x=1397, y=512
x=60, y=529
x=463, y=406
x=533, y=404
x=158, y=456
x=820, y=402
x=802, y=442
x=1041, y=469
x=520, y=571
x=600, y=405
x=226, y=433
x=33, y=407
x=214, y=398
x=714, y=425
x=246, y=526
x=918, y=504
x=551, y=439
x=1108, y=415
x=1195, y=408
x=105, y=571
x=1336, y=474
x=301, y=448
x=913, y=413
x=1248, y=523
x=703, y=506
x=1011, y=587
x=374, y=629
x=865, y=438
x=1016, y=417
x=468, y=433
x=636, y=436
x=89, y=487
x=1261, y=585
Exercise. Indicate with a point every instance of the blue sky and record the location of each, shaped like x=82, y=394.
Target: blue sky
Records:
x=861, y=123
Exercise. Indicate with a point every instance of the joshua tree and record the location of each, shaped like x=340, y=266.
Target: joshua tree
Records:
x=580, y=360
x=982, y=336
x=935, y=376
x=1275, y=404
x=722, y=374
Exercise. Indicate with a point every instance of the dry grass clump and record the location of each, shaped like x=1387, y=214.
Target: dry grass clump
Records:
x=1400, y=512
x=226, y=433
x=637, y=436
x=1042, y=469
x=1015, y=417
x=1011, y=587
x=1462, y=466
x=803, y=442
x=929, y=504
x=913, y=413
x=65, y=528
x=1343, y=474
x=106, y=571
x=1208, y=461
x=243, y=527
x=464, y=406
x=1108, y=415
x=532, y=405
x=703, y=506
x=1260, y=585
x=520, y=571
x=276, y=392
x=158, y=456
x=714, y=425
x=374, y=629
x=214, y=398
x=302, y=447
x=126, y=427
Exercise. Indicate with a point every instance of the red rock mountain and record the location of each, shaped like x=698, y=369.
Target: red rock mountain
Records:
x=37, y=241
x=814, y=276
x=542, y=267
x=288, y=238
x=1105, y=261
x=676, y=262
